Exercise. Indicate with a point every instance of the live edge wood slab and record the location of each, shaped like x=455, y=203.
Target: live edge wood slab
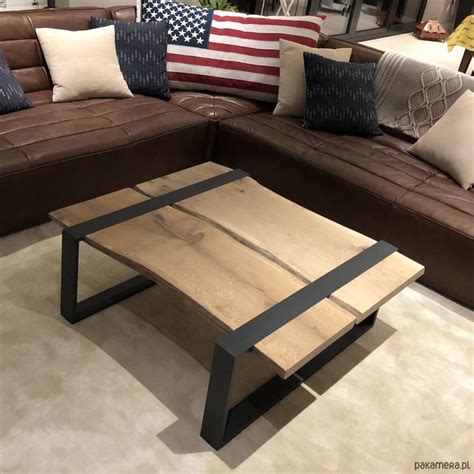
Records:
x=239, y=249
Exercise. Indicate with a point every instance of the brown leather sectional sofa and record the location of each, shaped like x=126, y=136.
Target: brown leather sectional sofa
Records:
x=57, y=154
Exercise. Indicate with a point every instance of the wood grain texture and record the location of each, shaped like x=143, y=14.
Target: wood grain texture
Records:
x=226, y=280
x=180, y=320
x=233, y=252
x=306, y=244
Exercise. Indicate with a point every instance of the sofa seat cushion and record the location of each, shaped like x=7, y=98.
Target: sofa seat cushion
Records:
x=381, y=166
x=216, y=106
x=57, y=132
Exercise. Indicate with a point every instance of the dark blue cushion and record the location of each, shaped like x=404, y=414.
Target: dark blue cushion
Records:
x=12, y=97
x=141, y=50
x=340, y=97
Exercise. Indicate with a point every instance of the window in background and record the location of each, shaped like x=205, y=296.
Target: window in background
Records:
x=386, y=13
x=271, y=7
x=337, y=16
x=407, y=11
x=373, y=14
x=376, y=13
x=353, y=19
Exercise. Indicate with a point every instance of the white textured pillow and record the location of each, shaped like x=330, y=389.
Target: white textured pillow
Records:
x=292, y=91
x=449, y=143
x=83, y=64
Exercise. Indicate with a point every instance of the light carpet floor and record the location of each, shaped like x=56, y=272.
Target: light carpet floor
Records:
x=111, y=394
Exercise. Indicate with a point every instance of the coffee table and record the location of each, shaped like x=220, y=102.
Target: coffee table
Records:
x=276, y=281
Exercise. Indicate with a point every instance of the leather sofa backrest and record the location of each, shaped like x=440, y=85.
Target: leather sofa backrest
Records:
x=125, y=13
x=360, y=53
x=20, y=45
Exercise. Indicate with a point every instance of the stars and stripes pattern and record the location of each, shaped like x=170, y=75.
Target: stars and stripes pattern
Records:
x=227, y=52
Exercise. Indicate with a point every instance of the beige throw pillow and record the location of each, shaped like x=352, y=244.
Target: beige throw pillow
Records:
x=449, y=143
x=83, y=64
x=292, y=91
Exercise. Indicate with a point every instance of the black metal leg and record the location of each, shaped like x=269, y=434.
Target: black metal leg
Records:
x=221, y=424
x=75, y=311
x=216, y=411
x=465, y=61
x=69, y=276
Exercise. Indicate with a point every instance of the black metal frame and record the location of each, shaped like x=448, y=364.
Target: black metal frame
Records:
x=220, y=422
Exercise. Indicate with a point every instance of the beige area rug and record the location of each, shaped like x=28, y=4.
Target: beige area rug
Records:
x=111, y=394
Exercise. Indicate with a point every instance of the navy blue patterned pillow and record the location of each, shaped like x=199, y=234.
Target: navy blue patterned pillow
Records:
x=340, y=97
x=141, y=50
x=12, y=97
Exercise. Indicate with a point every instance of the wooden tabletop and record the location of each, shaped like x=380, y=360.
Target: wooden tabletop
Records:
x=239, y=249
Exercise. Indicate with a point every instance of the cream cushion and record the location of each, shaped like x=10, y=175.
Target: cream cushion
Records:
x=292, y=91
x=449, y=143
x=83, y=64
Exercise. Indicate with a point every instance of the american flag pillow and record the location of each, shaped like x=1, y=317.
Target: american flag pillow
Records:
x=227, y=52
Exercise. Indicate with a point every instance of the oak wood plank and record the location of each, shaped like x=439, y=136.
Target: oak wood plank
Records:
x=84, y=211
x=225, y=279
x=306, y=244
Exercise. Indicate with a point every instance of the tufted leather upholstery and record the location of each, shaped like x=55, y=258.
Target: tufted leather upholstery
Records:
x=57, y=154
x=372, y=185
x=215, y=106
x=41, y=97
x=57, y=132
x=122, y=13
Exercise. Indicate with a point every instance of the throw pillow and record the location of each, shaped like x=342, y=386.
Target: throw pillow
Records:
x=141, y=50
x=227, y=52
x=449, y=144
x=412, y=96
x=340, y=97
x=292, y=91
x=12, y=97
x=83, y=64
